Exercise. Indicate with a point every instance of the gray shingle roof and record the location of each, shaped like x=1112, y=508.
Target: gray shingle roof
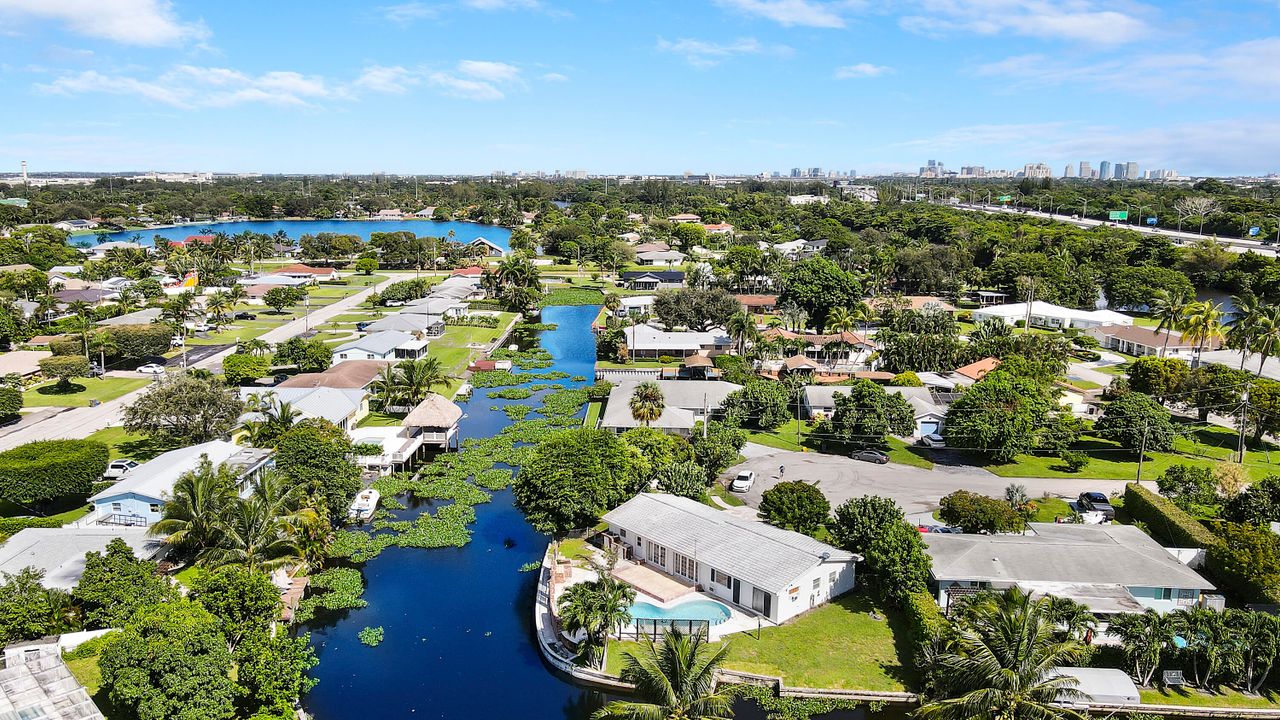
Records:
x=1065, y=553
x=682, y=397
x=155, y=478
x=764, y=556
x=378, y=341
x=60, y=552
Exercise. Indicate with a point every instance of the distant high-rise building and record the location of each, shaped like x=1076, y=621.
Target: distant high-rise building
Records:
x=795, y=172
x=1036, y=170
x=1069, y=171
x=1086, y=170
x=576, y=174
x=1104, y=169
x=972, y=171
x=1117, y=170
x=815, y=172
x=853, y=173
x=1131, y=171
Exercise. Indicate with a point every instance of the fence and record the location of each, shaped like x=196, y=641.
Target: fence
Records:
x=655, y=627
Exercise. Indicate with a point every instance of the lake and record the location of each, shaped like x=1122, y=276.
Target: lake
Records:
x=459, y=637
x=463, y=231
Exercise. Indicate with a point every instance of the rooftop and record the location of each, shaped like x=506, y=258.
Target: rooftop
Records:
x=43, y=688
x=155, y=478
x=59, y=552
x=765, y=556
x=436, y=411
x=1017, y=311
x=978, y=369
x=379, y=341
x=349, y=374
x=1149, y=336
x=648, y=337
x=681, y=398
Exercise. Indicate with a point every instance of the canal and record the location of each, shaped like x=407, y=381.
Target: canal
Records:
x=459, y=639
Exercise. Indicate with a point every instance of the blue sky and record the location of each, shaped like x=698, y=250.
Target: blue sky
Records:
x=638, y=86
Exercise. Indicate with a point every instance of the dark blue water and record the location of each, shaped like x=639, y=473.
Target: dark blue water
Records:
x=459, y=638
x=463, y=232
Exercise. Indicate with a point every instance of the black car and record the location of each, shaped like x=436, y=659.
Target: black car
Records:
x=1097, y=502
x=872, y=456
x=242, y=315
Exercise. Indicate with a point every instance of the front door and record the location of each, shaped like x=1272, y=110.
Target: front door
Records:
x=737, y=592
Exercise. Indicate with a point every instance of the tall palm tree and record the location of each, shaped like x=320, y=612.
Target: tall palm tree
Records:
x=612, y=302
x=841, y=320
x=675, y=680
x=742, y=328
x=595, y=608
x=1169, y=308
x=1145, y=636
x=1203, y=325
x=253, y=536
x=1003, y=662
x=1267, y=337
x=647, y=402
x=418, y=378
x=218, y=307
x=193, y=516
x=1244, y=324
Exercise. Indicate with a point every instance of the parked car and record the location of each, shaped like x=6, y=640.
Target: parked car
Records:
x=394, y=303
x=933, y=440
x=872, y=456
x=177, y=341
x=118, y=468
x=926, y=529
x=242, y=315
x=743, y=482
x=95, y=370
x=152, y=369
x=1097, y=502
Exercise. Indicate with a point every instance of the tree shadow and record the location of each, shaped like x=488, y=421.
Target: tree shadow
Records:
x=60, y=389
x=143, y=449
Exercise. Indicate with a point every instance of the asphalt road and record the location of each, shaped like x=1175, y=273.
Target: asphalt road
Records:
x=916, y=490
x=197, y=354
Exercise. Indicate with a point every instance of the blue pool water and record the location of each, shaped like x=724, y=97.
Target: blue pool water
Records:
x=709, y=610
x=463, y=232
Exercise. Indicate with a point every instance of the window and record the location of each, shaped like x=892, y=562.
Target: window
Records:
x=719, y=578
x=622, y=532
x=155, y=507
x=1164, y=593
x=657, y=554
x=831, y=579
x=685, y=566
x=817, y=583
x=117, y=507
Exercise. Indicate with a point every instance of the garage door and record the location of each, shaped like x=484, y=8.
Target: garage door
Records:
x=929, y=427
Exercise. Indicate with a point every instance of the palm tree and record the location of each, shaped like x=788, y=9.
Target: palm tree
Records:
x=1145, y=636
x=1203, y=325
x=595, y=608
x=1267, y=338
x=418, y=378
x=1203, y=631
x=193, y=516
x=1245, y=324
x=742, y=328
x=1003, y=663
x=674, y=680
x=253, y=536
x=1170, y=309
x=647, y=402
x=612, y=302
x=217, y=307
x=255, y=346
x=841, y=320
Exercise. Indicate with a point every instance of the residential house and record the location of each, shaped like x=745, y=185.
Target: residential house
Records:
x=961, y=377
x=59, y=552
x=23, y=362
x=93, y=296
x=635, y=217
x=831, y=352
x=74, y=225
x=718, y=229
x=630, y=238
x=435, y=419
x=99, y=251
x=383, y=345
x=64, y=270
x=193, y=240
x=491, y=248
x=269, y=281
x=346, y=375
x=389, y=214
x=652, y=280
x=1140, y=341
x=471, y=271
x=685, y=218
x=987, y=298
x=145, y=316
x=807, y=199
x=920, y=303
x=929, y=407
x=647, y=341
x=307, y=272
x=344, y=407
x=1047, y=315
x=20, y=267
x=653, y=246
x=635, y=305
x=410, y=323
x=687, y=403
x=776, y=573
x=138, y=498
x=1110, y=569
x=445, y=307
x=426, y=212
x=668, y=258
x=758, y=303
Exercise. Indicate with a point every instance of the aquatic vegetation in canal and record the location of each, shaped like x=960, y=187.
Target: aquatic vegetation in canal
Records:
x=524, y=359
x=530, y=566
x=371, y=636
x=517, y=411
x=515, y=393
x=499, y=378
x=342, y=588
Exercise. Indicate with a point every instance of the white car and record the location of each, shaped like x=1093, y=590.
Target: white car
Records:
x=743, y=482
x=151, y=369
x=119, y=468
x=933, y=440
x=177, y=341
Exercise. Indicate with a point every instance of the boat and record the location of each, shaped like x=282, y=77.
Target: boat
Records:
x=363, y=506
x=464, y=390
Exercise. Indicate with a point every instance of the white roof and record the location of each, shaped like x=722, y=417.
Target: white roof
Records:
x=662, y=256
x=155, y=478
x=401, y=323
x=765, y=556
x=1015, y=311
x=332, y=404
x=1102, y=685
x=60, y=551
x=682, y=398
x=920, y=398
x=635, y=301
x=380, y=342
x=648, y=337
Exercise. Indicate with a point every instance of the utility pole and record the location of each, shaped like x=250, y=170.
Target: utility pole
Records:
x=1244, y=414
x=798, y=396
x=1143, y=450
x=706, y=417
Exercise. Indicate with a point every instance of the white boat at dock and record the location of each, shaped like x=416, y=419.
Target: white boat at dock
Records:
x=363, y=506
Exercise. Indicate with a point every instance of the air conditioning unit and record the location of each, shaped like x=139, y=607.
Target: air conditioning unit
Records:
x=1213, y=602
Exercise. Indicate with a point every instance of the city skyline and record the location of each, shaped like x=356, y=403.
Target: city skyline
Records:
x=723, y=86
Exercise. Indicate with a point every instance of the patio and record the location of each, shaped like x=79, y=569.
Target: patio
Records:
x=644, y=579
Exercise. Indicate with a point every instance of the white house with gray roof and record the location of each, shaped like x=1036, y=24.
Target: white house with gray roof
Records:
x=774, y=572
x=59, y=552
x=382, y=345
x=687, y=403
x=344, y=407
x=1110, y=569
x=930, y=411
x=647, y=341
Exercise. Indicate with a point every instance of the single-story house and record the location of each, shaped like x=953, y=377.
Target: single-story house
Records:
x=718, y=229
x=404, y=323
x=145, y=316
x=138, y=498
x=193, y=240
x=843, y=348
x=1138, y=340
x=651, y=280
x=926, y=302
x=635, y=217
x=758, y=303
x=346, y=375
x=685, y=218
x=630, y=238
x=73, y=225
x=277, y=280
x=344, y=407
x=426, y=212
x=97, y=252
x=389, y=214
x=300, y=270
x=687, y=402
x=23, y=362
x=974, y=371
x=767, y=570
x=439, y=306
x=1109, y=568
x=382, y=345
x=661, y=258
x=491, y=248
x=59, y=552
x=92, y=296
x=20, y=267
x=471, y=271
x=1048, y=315
x=635, y=305
x=652, y=246
x=647, y=341
x=930, y=409
x=1107, y=686
x=986, y=298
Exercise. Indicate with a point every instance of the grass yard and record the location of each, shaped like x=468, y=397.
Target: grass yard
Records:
x=723, y=493
x=83, y=390
x=838, y=645
x=784, y=438
x=87, y=673
x=128, y=445
x=633, y=365
x=1050, y=509
x=575, y=549
x=593, y=414
x=1226, y=698
x=378, y=419
x=64, y=510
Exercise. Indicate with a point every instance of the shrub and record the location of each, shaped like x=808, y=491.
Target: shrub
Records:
x=979, y=513
x=64, y=367
x=906, y=379
x=44, y=470
x=244, y=367
x=668, y=360
x=10, y=401
x=66, y=346
x=1245, y=561
x=1075, y=460
x=598, y=392
x=925, y=622
x=10, y=526
x=1166, y=521
x=140, y=341
x=795, y=505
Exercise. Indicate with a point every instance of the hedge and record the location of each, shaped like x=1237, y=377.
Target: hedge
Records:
x=48, y=469
x=1169, y=523
x=66, y=346
x=141, y=341
x=10, y=401
x=11, y=526
x=925, y=621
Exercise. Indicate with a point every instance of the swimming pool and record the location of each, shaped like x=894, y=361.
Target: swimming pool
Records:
x=710, y=610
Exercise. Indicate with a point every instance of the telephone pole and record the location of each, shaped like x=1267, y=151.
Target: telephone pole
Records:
x=1143, y=451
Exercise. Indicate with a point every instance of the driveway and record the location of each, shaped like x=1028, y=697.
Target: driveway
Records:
x=916, y=490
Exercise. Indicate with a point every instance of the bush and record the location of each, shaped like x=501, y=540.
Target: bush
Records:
x=979, y=513
x=1166, y=521
x=11, y=526
x=1075, y=460
x=66, y=346
x=140, y=341
x=45, y=470
x=598, y=392
x=10, y=401
x=1245, y=560
x=925, y=622
x=485, y=321
x=668, y=360
x=244, y=367
x=64, y=367
x=795, y=505
x=906, y=379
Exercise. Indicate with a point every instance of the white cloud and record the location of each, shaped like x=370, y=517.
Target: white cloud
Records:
x=478, y=80
x=706, y=53
x=395, y=80
x=502, y=4
x=131, y=22
x=861, y=70
x=555, y=77
x=190, y=87
x=489, y=71
x=1076, y=20
x=464, y=88
x=788, y=13
x=408, y=13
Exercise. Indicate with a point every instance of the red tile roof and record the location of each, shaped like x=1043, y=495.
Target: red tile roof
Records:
x=472, y=271
x=757, y=300
x=206, y=239
x=300, y=269
x=978, y=369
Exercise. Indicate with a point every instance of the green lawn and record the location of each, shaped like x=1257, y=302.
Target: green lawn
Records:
x=838, y=645
x=634, y=365
x=593, y=414
x=723, y=493
x=901, y=452
x=377, y=419
x=85, y=389
x=1223, y=698
x=64, y=510
x=575, y=549
x=187, y=576
x=128, y=445
x=784, y=438
x=87, y=673
x=1050, y=509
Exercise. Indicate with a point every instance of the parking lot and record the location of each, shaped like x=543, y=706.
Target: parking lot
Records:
x=916, y=490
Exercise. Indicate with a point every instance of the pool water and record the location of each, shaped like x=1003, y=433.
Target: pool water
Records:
x=710, y=610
